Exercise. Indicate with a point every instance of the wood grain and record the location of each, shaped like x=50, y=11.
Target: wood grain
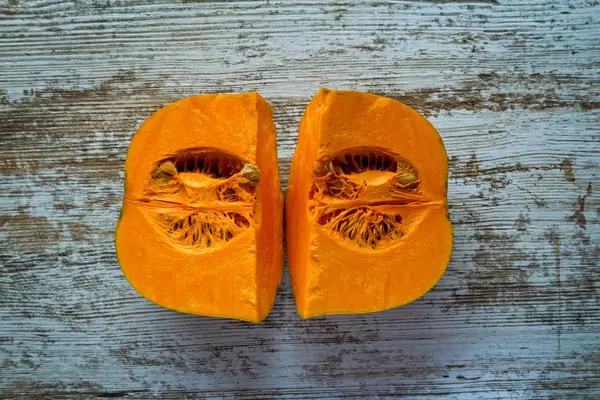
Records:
x=512, y=86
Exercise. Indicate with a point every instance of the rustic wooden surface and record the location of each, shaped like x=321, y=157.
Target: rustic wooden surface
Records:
x=512, y=86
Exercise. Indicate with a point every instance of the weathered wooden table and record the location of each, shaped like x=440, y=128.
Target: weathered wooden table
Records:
x=512, y=86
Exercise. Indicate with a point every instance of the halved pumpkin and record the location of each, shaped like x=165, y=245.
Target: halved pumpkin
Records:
x=367, y=220
x=201, y=226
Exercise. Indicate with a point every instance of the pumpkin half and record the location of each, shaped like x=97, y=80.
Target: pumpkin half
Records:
x=367, y=221
x=201, y=226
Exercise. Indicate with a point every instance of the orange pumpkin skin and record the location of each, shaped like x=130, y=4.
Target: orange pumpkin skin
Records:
x=201, y=225
x=367, y=221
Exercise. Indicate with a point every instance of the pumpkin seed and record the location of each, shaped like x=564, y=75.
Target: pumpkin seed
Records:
x=406, y=178
x=168, y=167
x=251, y=173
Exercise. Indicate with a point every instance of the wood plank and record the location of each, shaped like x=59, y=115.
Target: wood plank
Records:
x=514, y=89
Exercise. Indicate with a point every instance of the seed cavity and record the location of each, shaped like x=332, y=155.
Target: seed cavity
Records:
x=202, y=170
x=234, y=191
x=353, y=182
x=213, y=163
x=363, y=226
x=203, y=229
x=345, y=175
x=356, y=161
x=335, y=186
x=204, y=190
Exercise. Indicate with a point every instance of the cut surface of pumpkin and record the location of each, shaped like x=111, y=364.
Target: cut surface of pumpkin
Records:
x=201, y=228
x=366, y=213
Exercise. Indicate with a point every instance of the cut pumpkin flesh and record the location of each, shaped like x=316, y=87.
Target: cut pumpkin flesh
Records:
x=367, y=221
x=201, y=225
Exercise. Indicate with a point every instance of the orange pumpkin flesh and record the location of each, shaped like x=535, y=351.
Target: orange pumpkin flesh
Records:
x=367, y=221
x=201, y=225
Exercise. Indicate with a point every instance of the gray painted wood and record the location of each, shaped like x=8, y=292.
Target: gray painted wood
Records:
x=512, y=86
